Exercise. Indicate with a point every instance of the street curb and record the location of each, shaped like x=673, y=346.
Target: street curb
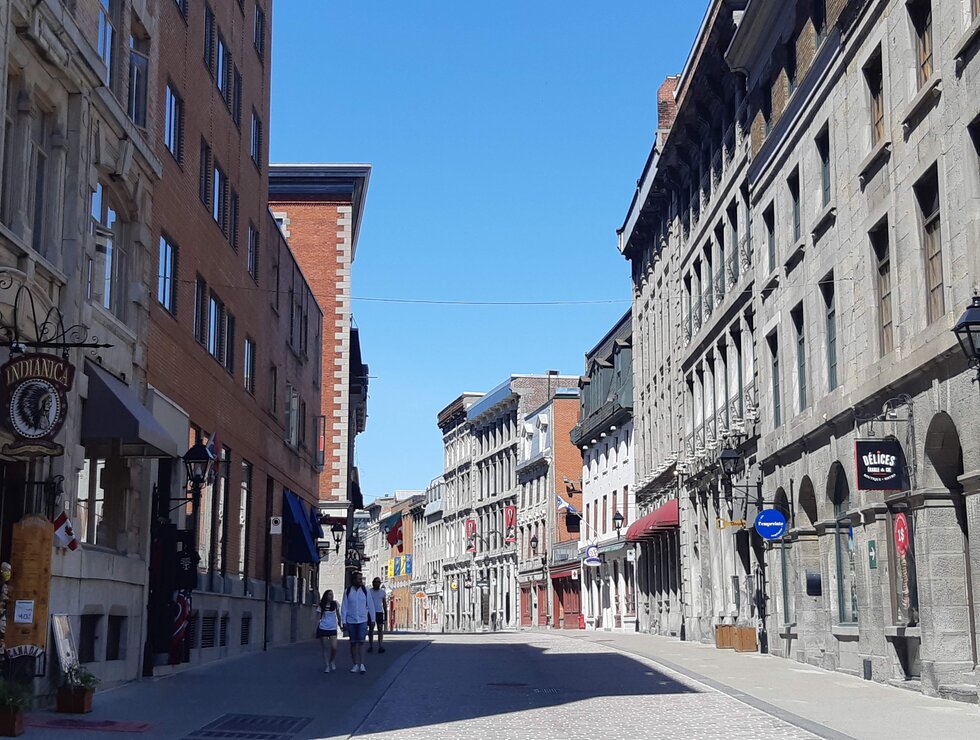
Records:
x=763, y=706
x=369, y=703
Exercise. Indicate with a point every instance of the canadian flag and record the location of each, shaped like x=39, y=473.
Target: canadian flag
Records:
x=63, y=533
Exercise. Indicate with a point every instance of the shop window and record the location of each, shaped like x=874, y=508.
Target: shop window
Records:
x=844, y=550
x=100, y=510
x=114, y=637
x=905, y=586
x=88, y=634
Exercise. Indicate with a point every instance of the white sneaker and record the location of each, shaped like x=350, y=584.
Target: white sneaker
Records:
x=333, y=666
x=327, y=669
x=355, y=669
x=363, y=669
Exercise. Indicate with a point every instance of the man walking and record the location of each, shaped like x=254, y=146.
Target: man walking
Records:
x=356, y=615
x=378, y=599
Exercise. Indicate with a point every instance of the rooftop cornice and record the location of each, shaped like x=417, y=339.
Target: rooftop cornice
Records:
x=754, y=27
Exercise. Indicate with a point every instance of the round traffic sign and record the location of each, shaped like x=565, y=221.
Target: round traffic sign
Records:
x=771, y=524
x=901, y=534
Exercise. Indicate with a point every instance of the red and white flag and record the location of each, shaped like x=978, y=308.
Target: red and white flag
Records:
x=64, y=535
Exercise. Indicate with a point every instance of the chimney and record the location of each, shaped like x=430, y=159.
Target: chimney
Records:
x=666, y=105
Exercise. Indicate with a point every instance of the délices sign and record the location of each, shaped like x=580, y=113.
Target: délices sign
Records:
x=880, y=465
x=35, y=390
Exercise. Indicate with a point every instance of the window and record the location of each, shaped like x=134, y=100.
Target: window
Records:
x=7, y=183
x=259, y=31
x=210, y=34
x=883, y=285
x=777, y=401
x=107, y=41
x=40, y=145
x=139, y=77
x=820, y=20
x=874, y=79
x=901, y=552
x=256, y=148
x=107, y=271
x=115, y=637
x=847, y=603
x=927, y=194
x=769, y=220
x=823, y=151
x=252, y=256
x=90, y=509
x=920, y=12
x=200, y=310
x=182, y=8
x=830, y=315
x=793, y=184
x=236, y=98
x=605, y=513
x=244, y=526
x=173, y=132
x=292, y=415
x=219, y=198
x=800, y=328
x=222, y=73
x=87, y=635
x=248, y=362
x=233, y=220
x=221, y=333
x=204, y=185
x=167, y=277
x=220, y=537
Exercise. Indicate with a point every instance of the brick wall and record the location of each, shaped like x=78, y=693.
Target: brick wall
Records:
x=567, y=462
x=666, y=105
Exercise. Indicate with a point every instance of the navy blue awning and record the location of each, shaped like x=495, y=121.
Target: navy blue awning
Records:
x=300, y=542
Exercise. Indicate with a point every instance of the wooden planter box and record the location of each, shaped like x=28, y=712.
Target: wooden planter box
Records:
x=725, y=636
x=745, y=640
x=11, y=724
x=74, y=700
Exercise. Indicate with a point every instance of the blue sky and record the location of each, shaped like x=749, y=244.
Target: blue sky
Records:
x=506, y=139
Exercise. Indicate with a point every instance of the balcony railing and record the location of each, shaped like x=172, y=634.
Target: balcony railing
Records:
x=720, y=286
x=139, y=77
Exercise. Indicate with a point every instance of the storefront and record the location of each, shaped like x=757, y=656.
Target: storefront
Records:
x=567, y=607
x=657, y=536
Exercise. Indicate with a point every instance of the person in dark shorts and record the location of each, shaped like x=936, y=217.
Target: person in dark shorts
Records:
x=377, y=596
x=326, y=630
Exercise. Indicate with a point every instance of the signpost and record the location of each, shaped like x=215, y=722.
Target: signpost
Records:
x=592, y=556
x=771, y=524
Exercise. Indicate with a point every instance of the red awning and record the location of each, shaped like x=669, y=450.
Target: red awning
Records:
x=565, y=571
x=665, y=517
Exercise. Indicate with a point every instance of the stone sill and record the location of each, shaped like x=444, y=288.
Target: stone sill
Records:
x=795, y=255
x=966, y=43
x=930, y=92
x=826, y=219
x=900, y=630
x=874, y=161
x=846, y=632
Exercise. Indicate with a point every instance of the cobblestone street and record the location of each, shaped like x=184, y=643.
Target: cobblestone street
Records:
x=514, y=685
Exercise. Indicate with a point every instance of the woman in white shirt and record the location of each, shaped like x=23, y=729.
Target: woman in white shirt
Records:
x=326, y=630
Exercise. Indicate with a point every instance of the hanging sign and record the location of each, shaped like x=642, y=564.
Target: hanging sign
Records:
x=34, y=389
x=770, y=524
x=471, y=535
x=592, y=556
x=880, y=465
x=902, y=538
x=510, y=524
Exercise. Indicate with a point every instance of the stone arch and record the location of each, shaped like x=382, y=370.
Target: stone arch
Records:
x=838, y=489
x=944, y=453
x=781, y=502
x=807, y=499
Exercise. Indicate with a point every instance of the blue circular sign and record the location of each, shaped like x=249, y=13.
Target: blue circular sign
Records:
x=771, y=524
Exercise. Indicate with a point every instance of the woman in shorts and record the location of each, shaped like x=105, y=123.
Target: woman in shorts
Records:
x=326, y=630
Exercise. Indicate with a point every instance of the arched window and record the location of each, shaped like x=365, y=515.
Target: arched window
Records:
x=840, y=496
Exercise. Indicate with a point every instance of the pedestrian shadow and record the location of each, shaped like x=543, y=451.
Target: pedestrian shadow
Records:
x=458, y=679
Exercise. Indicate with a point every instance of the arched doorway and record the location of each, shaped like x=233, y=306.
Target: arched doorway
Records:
x=845, y=557
x=944, y=455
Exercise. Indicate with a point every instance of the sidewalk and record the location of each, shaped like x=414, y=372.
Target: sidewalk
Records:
x=283, y=683
x=802, y=694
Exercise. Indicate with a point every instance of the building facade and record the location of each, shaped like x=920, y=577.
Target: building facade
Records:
x=604, y=434
x=319, y=208
x=802, y=242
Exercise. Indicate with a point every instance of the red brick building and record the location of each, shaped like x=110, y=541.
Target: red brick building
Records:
x=235, y=330
x=319, y=208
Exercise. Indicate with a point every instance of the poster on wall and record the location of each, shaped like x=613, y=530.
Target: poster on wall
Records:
x=510, y=524
x=880, y=465
x=34, y=390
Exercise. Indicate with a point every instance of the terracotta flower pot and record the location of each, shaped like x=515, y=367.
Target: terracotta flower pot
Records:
x=74, y=700
x=11, y=723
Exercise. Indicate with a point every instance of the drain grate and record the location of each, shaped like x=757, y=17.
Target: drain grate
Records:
x=252, y=727
x=546, y=691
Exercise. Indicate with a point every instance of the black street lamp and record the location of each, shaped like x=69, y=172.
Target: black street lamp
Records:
x=618, y=524
x=967, y=331
x=337, y=532
x=198, y=461
x=534, y=544
x=730, y=460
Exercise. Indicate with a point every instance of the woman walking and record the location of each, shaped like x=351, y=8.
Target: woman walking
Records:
x=326, y=630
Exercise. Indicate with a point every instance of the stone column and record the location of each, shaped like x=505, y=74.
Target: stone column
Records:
x=971, y=492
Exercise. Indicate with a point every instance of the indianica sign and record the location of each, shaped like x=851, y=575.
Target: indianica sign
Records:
x=35, y=390
x=880, y=465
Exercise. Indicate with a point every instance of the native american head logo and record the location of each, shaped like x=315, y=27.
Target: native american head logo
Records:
x=34, y=409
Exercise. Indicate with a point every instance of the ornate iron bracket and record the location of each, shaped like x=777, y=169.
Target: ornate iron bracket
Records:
x=50, y=332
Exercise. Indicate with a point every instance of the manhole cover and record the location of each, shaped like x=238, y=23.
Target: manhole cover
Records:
x=508, y=685
x=252, y=727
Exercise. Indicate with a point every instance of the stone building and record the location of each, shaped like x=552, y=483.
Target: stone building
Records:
x=320, y=208
x=430, y=567
x=604, y=435
x=457, y=443
x=802, y=241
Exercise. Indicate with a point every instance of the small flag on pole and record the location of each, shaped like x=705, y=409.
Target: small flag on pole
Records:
x=563, y=504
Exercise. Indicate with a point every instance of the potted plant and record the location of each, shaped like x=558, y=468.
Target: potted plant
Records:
x=76, y=690
x=14, y=699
